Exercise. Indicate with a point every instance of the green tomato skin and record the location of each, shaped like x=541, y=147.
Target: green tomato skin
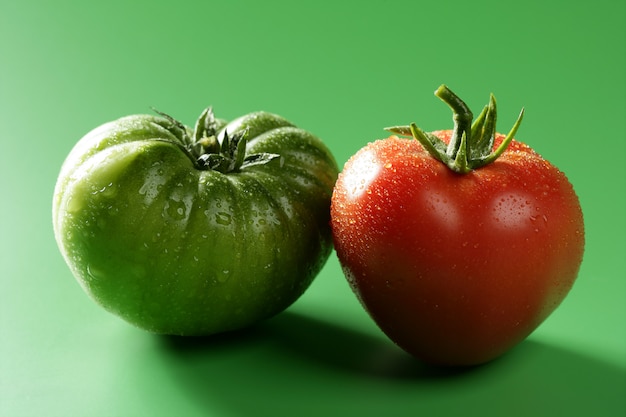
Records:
x=174, y=249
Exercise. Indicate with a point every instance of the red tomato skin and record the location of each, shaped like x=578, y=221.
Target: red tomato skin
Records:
x=456, y=268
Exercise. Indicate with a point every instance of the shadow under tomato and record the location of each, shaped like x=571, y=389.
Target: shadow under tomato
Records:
x=297, y=365
x=300, y=337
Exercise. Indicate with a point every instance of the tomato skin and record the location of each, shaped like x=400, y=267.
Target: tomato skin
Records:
x=175, y=249
x=456, y=268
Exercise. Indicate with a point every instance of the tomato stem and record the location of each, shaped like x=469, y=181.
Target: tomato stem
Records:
x=205, y=133
x=471, y=144
x=462, y=117
x=205, y=149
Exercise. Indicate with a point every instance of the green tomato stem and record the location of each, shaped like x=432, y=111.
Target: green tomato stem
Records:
x=462, y=117
x=206, y=151
x=471, y=143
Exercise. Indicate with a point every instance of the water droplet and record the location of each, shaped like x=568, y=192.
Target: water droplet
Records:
x=223, y=277
x=175, y=209
x=107, y=190
x=94, y=273
x=73, y=205
x=513, y=211
x=223, y=218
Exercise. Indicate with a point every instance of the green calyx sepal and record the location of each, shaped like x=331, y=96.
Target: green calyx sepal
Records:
x=471, y=144
x=208, y=152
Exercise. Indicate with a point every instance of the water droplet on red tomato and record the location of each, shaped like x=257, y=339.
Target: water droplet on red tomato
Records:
x=512, y=211
x=363, y=171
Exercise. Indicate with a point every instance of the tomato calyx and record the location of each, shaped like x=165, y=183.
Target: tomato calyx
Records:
x=471, y=144
x=208, y=152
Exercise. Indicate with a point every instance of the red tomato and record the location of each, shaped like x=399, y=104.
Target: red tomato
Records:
x=456, y=268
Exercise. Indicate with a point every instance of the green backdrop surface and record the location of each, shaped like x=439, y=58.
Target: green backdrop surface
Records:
x=343, y=70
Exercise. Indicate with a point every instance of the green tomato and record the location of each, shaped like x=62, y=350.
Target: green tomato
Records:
x=195, y=231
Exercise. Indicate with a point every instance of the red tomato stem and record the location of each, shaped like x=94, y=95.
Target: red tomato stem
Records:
x=462, y=117
x=471, y=143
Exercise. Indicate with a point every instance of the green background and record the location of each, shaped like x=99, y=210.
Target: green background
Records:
x=343, y=70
